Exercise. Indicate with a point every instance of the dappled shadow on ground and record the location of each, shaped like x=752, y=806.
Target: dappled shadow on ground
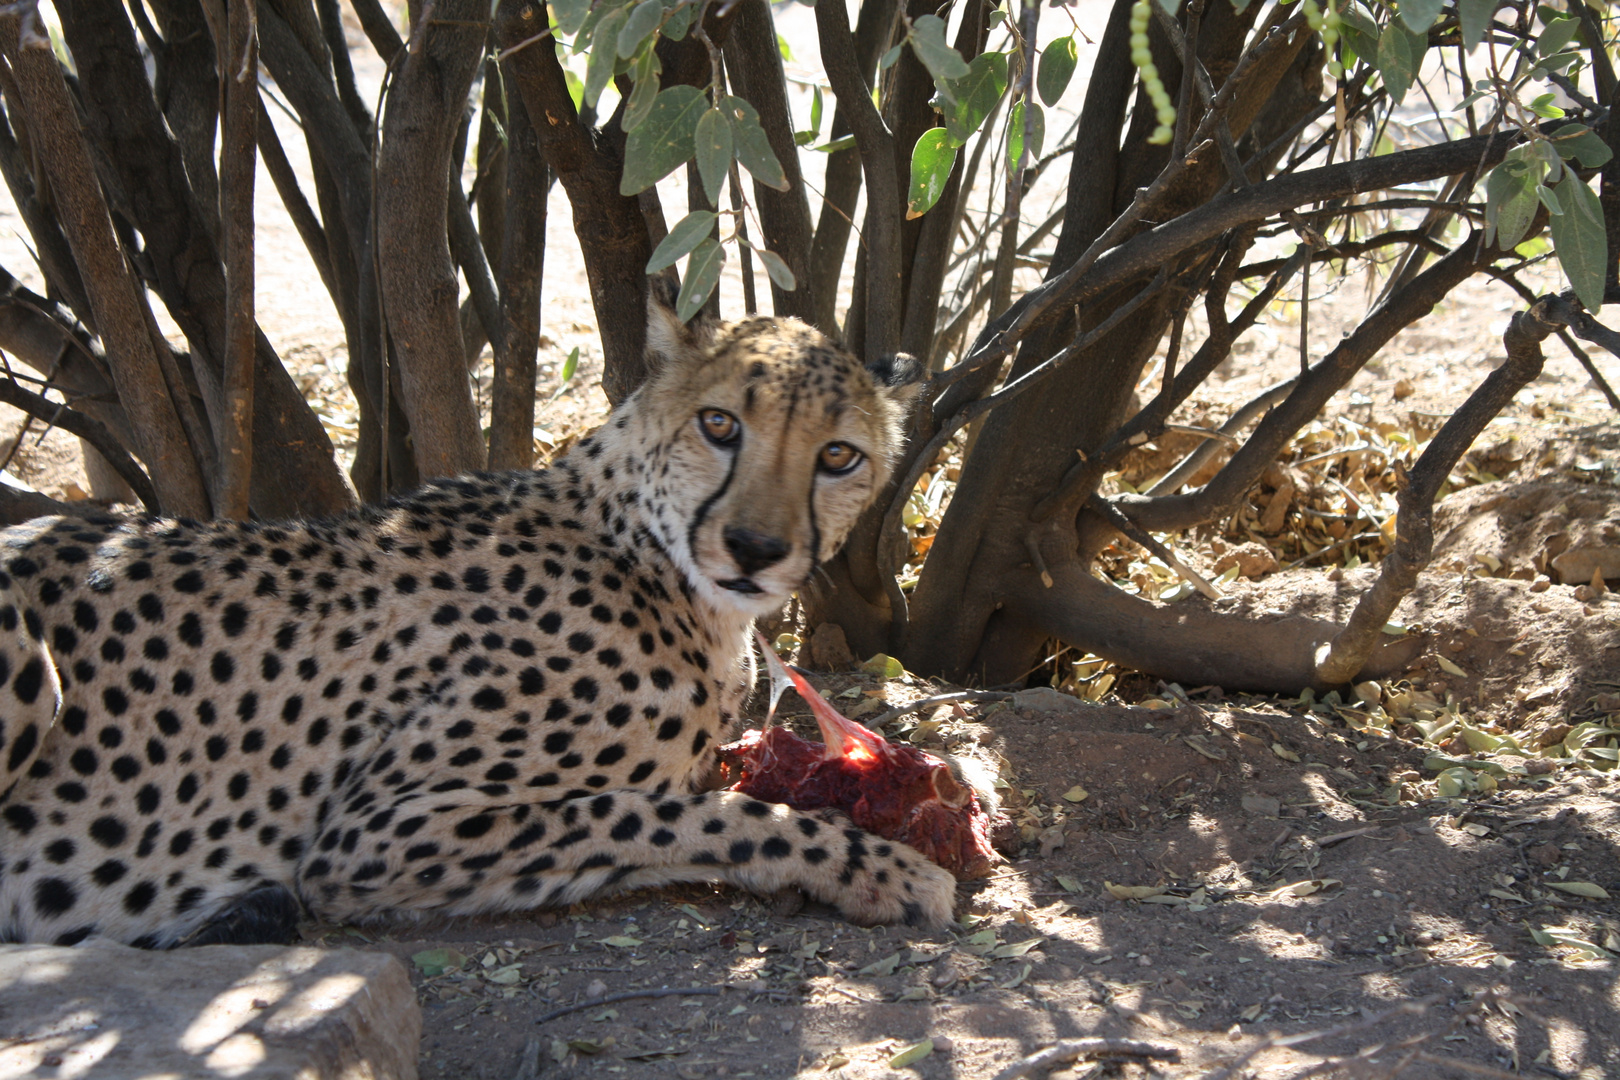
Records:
x=1200, y=876
x=1293, y=898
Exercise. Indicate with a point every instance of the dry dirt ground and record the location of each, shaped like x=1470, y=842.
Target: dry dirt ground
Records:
x=1423, y=873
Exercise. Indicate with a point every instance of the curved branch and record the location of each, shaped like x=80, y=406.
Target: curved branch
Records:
x=1182, y=642
x=1100, y=270
x=1322, y=381
x=1414, y=522
x=90, y=430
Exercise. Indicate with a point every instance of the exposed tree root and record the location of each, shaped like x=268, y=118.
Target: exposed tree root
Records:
x=1186, y=644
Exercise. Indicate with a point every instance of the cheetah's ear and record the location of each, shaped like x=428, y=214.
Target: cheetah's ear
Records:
x=900, y=374
x=670, y=341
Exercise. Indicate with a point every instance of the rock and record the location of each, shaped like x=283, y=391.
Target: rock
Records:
x=1585, y=563
x=248, y=1012
x=829, y=649
x=1252, y=560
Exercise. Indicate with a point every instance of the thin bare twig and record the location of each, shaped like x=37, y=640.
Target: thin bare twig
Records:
x=631, y=995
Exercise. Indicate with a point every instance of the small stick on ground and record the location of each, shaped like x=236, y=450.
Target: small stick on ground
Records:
x=631, y=995
x=1073, y=1049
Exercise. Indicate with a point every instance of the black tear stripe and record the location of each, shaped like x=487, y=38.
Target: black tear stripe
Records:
x=815, y=536
x=703, y=508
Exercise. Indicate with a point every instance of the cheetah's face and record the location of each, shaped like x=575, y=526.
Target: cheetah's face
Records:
x=773, y=441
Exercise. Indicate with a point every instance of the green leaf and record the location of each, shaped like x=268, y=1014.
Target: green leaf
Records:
x=1510, y=201
x=604, y=53
x=886, y=61
x=815, y=110
x=1358, y=30
x=1559, y=32
x=686, y=235
x=928, y=42
x=1583, y=144
x=1555, y=62
x=570, y=15
x=570, y=366
x=846, y=143
x=679, y=21
x=639, y=107
x=1579, y=240
x=431, y=962
x=883, y=666
x=1419, y=15
x=781, y=275
x=976, y=94
x=1400, y=54
x=1475, y=17
x=1549, y=199
x=702, y=275
x=643, y=20
x=754, y=146
x=1543, y=106
x=1057, y=66
x=1016, y=128
x=712, y=141
x=663, y=142
x=931, y=162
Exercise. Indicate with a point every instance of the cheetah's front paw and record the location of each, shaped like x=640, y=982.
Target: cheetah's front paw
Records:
x=881, y=881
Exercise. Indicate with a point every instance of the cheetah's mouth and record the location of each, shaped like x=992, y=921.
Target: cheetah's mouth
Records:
x=742, y=585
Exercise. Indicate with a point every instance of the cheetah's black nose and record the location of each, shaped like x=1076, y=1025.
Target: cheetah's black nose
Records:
x=754, y=551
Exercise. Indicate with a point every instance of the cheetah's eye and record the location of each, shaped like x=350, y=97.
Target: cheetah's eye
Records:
x=719, y=427
x=837, y=457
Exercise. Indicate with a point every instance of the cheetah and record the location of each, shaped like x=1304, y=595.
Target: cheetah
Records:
x=500, y=692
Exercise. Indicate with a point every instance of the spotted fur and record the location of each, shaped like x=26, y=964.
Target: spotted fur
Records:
x=497, y=693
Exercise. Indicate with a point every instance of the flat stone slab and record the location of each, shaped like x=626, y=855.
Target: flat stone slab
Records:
x=102, y=1011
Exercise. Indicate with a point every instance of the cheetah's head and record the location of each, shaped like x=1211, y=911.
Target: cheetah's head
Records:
x=770, y=442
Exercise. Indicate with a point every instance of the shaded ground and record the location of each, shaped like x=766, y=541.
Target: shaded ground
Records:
x=1295, y=898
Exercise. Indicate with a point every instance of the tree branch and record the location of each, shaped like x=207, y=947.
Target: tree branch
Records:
x=1414, y=521
x=841, y=186
x=90, y=430
x=612, y=232
x=238, y=64
x=1322, y=381
x=523, y=252
x=755, y=65
x=1183, y=642
x=113, y=295
x=1101, y=269
x=883, y=202
x=418, y=278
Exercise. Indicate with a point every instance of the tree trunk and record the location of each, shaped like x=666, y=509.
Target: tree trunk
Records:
x=418, y=277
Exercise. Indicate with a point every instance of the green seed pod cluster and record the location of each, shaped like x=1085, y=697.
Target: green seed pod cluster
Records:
x=1142, y=57
x=1327, y=24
